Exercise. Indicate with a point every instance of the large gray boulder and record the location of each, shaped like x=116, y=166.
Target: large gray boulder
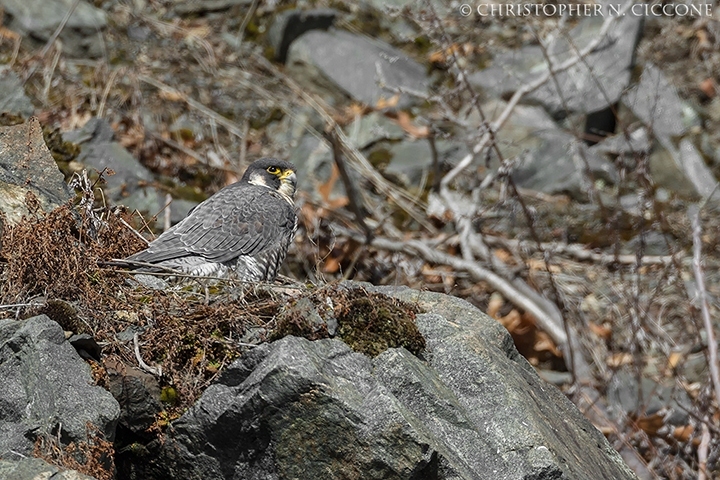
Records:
x=27, y=167
x=342, y=64
x=36, y=469
x=47, y=389
x=38, y=19
x=13, y=99
x=470, y=408
x=588, y=86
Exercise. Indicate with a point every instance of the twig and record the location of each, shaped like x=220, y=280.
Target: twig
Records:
x=545, y=321
x=168, y=212
x=355, y=200
x=702, y=451
x=106, y=91
x=21, y=305
x=135, y=232
x=246, y=20
x=48, y=75
x=702, y=298
x=154, y=370
x=529, y=87
x=579, y=252
x=232, y=127
x=59, y=28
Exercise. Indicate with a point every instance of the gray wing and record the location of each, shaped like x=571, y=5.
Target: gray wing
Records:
x=239, y=220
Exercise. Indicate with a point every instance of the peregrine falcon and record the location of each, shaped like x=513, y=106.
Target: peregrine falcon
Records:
x=245, y=229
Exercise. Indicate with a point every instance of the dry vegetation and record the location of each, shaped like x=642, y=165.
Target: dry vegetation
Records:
x=633, y=313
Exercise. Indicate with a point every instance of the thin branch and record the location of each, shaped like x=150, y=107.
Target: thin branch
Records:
x=355, y=200
x=529, y=87
x=702, y=298
x=702, y=451
x=231, y=126
x=545, y=321
x=154, y=370
x=59, y=28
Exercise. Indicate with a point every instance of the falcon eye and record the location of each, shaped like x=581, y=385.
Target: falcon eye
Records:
x=273, y=170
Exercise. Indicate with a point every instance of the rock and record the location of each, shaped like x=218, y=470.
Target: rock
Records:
x=138, y=394
x=290, y=24
x=196, y=8
x=625, y=397
x=372, y=128
x=584, y=89
x=86, y=346
x=320, y=60
x=551, y=160
x=411, y=160
x=47, y=388
x=696, y=170
x=36, y=469
x=635, y=142
x=12, y=95
x=40, y=18
x=470, y=407
x=655, y=101
x=682, y=171
x=27, y=168
x=127, y=185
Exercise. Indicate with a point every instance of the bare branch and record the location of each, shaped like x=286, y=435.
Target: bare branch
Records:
x=702, y=298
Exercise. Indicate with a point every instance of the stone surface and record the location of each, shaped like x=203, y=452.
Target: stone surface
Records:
x=469, y=408
x=341, y=63
x=37, y=469
x=655, y=101
x=12, y=95
x=47, y=388
x=588, y=86
x=550, y=159
x=195, y=8
x=138, y=394
x=26, y=167
x=127, y=185
x=372, y=128
x=40, y=18
x=411, y=160
x=682, y=170
x=290, y=24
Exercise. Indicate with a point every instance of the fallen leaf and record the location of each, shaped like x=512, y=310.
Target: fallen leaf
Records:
x=683, y=433
x=405, y=122
x=708, y=87
x=601, y=331
x=619, y=359
x=674, y=360
x=650, y=424
x=326, y=189
x=384, y=103
x=495, y=304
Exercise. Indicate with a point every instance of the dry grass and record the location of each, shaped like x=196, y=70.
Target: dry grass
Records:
x=94, y=457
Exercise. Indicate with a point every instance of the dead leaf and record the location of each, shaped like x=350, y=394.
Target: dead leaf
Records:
x=619, y=359
x=601, y=331
x=495, y=304
x=384, y=103
x=650, y=424
x=683, y=433
x=674, y=360
x=708, y=87
x=326, y=189
x=405, y=122
x=331, y=265
x=540, y=265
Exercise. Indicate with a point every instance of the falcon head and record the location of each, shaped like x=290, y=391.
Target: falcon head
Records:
x=272, y=173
